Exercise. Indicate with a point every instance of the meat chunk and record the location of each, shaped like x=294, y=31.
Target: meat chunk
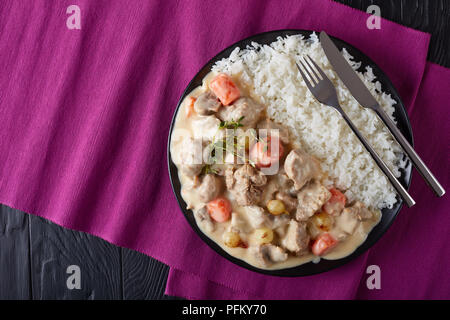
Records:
x=334, y=208
x=285, y=183
x=346, y=224
x=203, y=219
x=210, y=188
x=249, y=110
x=207, y=128
x=238, y=225
x=245, y=184
x=192, y=183
x=275, y=253
x=275, y=222
x=359, y=211
x=282, y=188
x=191, y=157
x=297, y=238
x=269, y=191
x=289, y=202
x=206, y=103
x=277, y=130
x=256, y=216
x=301, y=167
x=266, y=254
x=310, y=199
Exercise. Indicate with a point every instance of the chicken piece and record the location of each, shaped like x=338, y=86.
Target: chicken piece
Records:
x=285, y=183
x=334, y=208
x=290, y=202
x=207, y=128
x=267, y=254
x=210, y=188
x=203, y=219
x=310, y=199
x=275, y=222
x=187, y=187
x=238, y=225
x=277, y=130
x=297, y=238
x=206, y=103
x=276, y=253
x=346, y=224
x=245, y=184
x=191, y=157
x=359, y=211
x=245, y=107
x=313, y=230
x=269, y=191
x=301, y=168
x=257, y=216
x=280, y=183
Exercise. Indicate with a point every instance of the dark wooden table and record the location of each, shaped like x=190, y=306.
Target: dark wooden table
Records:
x=35, y=253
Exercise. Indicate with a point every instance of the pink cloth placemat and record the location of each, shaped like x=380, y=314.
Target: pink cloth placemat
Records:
x=86, y=113
x=413, y=256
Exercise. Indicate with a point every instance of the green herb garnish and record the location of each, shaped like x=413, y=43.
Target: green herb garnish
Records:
x=231, y=124
x=209, y=169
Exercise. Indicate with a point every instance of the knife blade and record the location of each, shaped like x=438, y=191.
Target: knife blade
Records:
x=347, y=74
x=360, y=92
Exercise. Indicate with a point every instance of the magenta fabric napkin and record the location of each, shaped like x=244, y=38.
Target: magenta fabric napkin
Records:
x=85, y=117
x=413, y=256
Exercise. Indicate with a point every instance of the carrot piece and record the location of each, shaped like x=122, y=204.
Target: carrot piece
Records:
x=338, y=196
x=336, y=204
x=190, y=107
x=219, y=209
x=323, y=243
x=262, y=155
x=225, y=89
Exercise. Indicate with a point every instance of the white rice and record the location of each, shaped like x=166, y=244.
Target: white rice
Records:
x=271, y=73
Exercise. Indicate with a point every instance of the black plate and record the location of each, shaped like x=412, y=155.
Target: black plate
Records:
x=388, y=215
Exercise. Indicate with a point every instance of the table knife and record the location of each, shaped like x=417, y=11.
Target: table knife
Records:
x=366, y=100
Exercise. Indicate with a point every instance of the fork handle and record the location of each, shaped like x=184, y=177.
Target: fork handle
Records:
x=381, y=164
x=413, y=156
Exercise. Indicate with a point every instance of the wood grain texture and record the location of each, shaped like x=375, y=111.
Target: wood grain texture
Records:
x=109, y=272
x=53, y=249
x=143, y=277
x=14, y=255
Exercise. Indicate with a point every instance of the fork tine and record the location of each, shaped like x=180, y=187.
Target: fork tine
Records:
x=317, y=67
x=311, y=78
x=313, y=70
x=308, y=84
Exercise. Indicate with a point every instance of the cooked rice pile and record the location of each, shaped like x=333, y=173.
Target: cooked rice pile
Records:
x=271, y=74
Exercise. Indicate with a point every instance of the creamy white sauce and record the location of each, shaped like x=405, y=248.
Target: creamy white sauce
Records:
x=183, y=127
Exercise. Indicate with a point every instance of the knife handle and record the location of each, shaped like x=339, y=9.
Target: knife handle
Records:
x=381, y=164
x=413, y=156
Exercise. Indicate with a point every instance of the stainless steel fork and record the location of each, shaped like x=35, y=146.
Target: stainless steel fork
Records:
x=324, y=91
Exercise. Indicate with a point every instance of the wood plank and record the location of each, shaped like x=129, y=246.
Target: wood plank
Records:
x=144, y=278
x=14, y=255
x=54, y=249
